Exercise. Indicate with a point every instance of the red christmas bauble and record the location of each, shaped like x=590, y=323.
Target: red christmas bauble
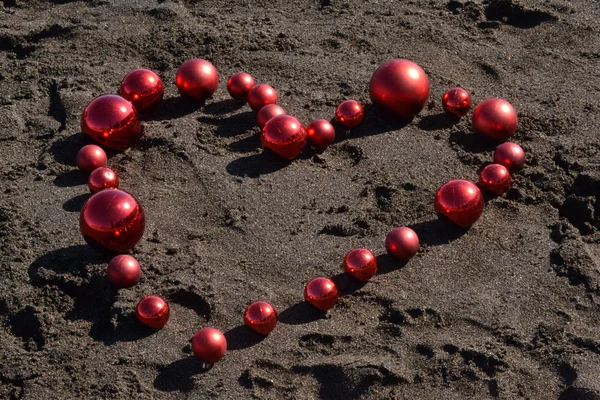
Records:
x=402, y=243
x=197, y=79
x=91, y=157
x=321, y=293
x=495, y=119
x=239, y=85
x=102, y=178
x=350, y=114
x=361, y=264
x=124, y=271
x=267, y=112
x=153, y=311
x=495, y=178
x=284, y=135
x=261, y=95
x=143, y=88
x=261, y=317
x=209, y=345
x=460, y=201
x=511, y=155
x=321, y=133
x=457, y=102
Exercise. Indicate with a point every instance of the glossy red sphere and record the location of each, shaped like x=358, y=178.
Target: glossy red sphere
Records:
x=321, y=293
x=261, y=317
x=350, y=114
x=112, y=220
x=102, y=178
x=267, y=112
x=143, y=88
x=284, y=135
x=124, y=271
x=402, y=243
x=153, y=311
x=112, y=121
x=457, y=102
x=91, y=157
x=495, y=119
x=197, y=79
x=361, y=264
x=209, y=345
x=400, y=88
x=239, y=85
x=260, y=96
x=460, y=201
x=495, y=178
x=321, y=133
x=511, y=155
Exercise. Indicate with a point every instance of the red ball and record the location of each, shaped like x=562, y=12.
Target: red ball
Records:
x=400, y=88
x=361, y=264
x=197, y=79
x=261, y=317
x=284, y=135
x=112, y=121
x=91, y=157
x=267, y=112
x=511, y=155
x=350, y=113
x=495, y=178
x=112, y=220
x=153, y=312
x=239, y=85
x=102, y=178
x=321, y=133
x=457, y=101
x=321, y=293
x=260, y=96
x=495, y=119
x=402, y=243
x=460, y=201
x=124, y=271
x=143, y=88
x=209, y=345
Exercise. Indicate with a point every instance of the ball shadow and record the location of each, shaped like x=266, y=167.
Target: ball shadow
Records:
x=300, y=313
x=223, y=107
x=178, y=375
x=387, y=264
x=374, y=123
x=129, y=329
x=256, y=165
x=233, y=125
x=241, y=337
x=471, y=142
x=76, y=203
x=438, y=231
x=346, y=284
x=64, y=150
x=171, y=108
x=248, y=144
x=69, y=179
x=438, y=121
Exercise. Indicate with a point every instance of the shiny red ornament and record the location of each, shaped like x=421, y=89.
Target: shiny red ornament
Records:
x=91, y=157
x=267, y=112
x=261, y=317
x=153, y=311
x=143, y=88
x=239, y=85
x=112, y=220
x=399, y=88
x=495, y=178
x=284, y=135
x=361, y=264
x=124, y=271
x=402, y=243
x=460, y=201
x=350, y=114
x=321, y=293
x=209, y=345
x=321, y=133
x=495, y=119
x=260, y=96
x=511, y=155
x=197, y=79
x=457, y=101
x=103, y=178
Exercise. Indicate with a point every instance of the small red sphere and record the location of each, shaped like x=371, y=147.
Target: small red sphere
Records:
x=495, y=178
x=321, y=133
x=267, y=112
x=209, y=345
x=91, y=157
x=361, y=264
x=402, y=243
x=112, y=121
x=321, y=293
x=112, y=220
x=197, y=79
x=143, y=88
x=102, y=178
x=124, y=271
x=457, y=101
x=350, y=113
x=239, y=85
x=153, y=311
x=460, y=201
x=285, y=136
x=495, y=119
x=261, y=317
x=261, y=95
x=511, y=155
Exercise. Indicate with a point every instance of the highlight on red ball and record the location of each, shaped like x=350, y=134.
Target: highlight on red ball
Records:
x=495, y=178
x=495, y=119
x=261, y=317
x=261, y=95
x=321, y=293
x=320, y=133
x=209, y=345
x=361, y=264
x=124, y=271
x=267, y=112
x=511, y=155
x=153, y=312
x=402, y=243
x=143, y=88
x=197, y=79
x=457, y=102
x=91, y=157
x=460, y=202
x=102, y=178
x=284, y=135
x=239, y=85
x=350, y=114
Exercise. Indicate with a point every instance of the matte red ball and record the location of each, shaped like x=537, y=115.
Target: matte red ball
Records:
x=402, y=243
x=457, y=102
x=143, y=88
x=209, y=345
x=285, y=136
x=495, y=119
x=399, y=88
x=103, y=178
x=261, y=317
x=361, y=264
x=321, y=133
x=112, y=121
x=124, y=271
x=239, y=85
x=112, y=220
x=153, y=311
x=460, y=202
x=350, y=114
x=91, y=157
x=260, y=96
x=321, y=293
x=511, y=155
x=197, y=79
x=267, y=112
x=495, y=178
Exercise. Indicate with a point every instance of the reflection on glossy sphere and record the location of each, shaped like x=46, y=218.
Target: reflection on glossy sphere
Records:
x=239, y=85
x=261, y=317
x=124, y=271
x=321, y=133
x=350, y=114
x=267, y=112
x=402, y=243
x=495, y=119
x=209, y=345
x=511, y=155
x=197, y=79
x=457, y=102
x=495, y=178
x=321, y=293
x=261, y=95
x=143, y=88
x=360, y=264
x=102, y=178
x=153, y=311
x=285, y=136
x=91, y=157
x=460, y=202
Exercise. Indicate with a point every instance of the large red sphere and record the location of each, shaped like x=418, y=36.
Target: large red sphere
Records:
x=239, y=85
x=321, y=293
x=153, y=312
x=284, y=135
x=350, y=113
x=261, y=95
x=402, y=243
x=112, y=220
x=321, y=133
x=112, y=121
x=495, y=119
x=457, y=102
x=261, y=317
x=511, y=155
x=361, y=264
x=495, y=178
x=209, y=345
x=460, y=201
x=102, y=178
x=197, y=79
x=91, y=157
x=400, y=88
x=143, y=88
x=267, y=112
x=124, y=271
